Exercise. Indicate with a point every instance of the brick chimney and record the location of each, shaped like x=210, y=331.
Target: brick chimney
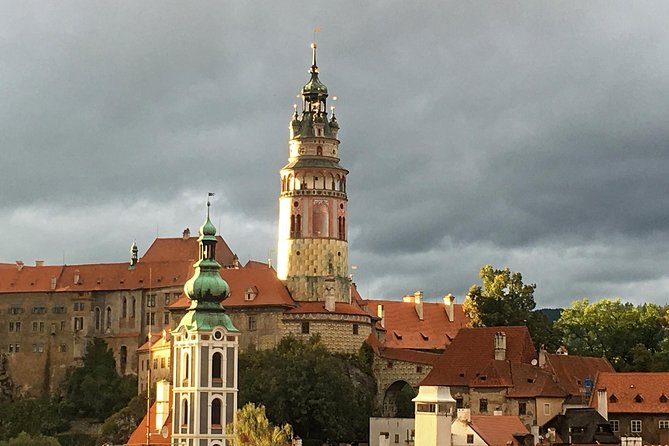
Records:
x=186, y=234
x=39, y=263
x=449, y=304
x=19, y=264
x=500, y=346
x=380, y=314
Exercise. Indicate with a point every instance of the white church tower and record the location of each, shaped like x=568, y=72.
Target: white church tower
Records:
x=204, y=398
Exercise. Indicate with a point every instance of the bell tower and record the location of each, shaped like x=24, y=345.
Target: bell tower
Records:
x=312, y=255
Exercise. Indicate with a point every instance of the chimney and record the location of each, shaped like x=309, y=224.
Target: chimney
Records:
x=76, y=277
x=133, y=256
x=53, y=283
x=162, y=403
x=39, y=263
x=465, y=414
x=497, y=412
x=408, y=298
x=449, y=304
x=186, y=234
x=542, y=356
x=500, y=346
x=379, y=313
x=418, y=300
x=603, y=403
x=19, y=264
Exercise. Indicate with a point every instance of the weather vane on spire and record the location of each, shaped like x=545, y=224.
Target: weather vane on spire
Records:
x=209, y=195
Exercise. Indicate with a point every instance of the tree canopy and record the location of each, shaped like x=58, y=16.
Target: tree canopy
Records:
x=629, y=336
x=322, y=395
x=254, y=429
x=25, y=439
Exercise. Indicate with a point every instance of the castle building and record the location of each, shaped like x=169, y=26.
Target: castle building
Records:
x=204, y=383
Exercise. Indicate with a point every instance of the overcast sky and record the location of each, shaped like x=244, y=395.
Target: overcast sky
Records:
x=533, y=135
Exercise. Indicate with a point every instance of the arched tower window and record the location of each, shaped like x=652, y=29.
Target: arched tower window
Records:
x=108, y=318
x=216, y=412
x=134, y=306
x=298, y=226
x=319, y=150
x=321, y=220
x=186, y=369
x=216, y=366
x=98, y=316
x=124, y=308
x=292, y=226
x=343, y=228
x=184, y=413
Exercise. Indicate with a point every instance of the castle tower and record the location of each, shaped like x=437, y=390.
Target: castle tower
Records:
x=312, y=255
x=204, y=365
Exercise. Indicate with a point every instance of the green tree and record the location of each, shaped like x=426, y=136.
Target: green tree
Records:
x=322, y=395
x=96, y=390
x=118, y=427
x=629, y=336
x=32, y=416
x=254, y=429
x=25, y=439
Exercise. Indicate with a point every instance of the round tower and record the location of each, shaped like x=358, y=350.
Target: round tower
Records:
x=312, y=255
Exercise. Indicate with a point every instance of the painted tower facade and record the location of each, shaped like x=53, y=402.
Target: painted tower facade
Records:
x=204, y=366
x=312, y=255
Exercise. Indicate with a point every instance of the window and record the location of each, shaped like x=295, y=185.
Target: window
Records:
x=59, y=309
x=166, y=318
x=470, y=438
x=459, y=402
x=150, y=300
x=664, y=424
x=39, y=310
x=41, y=327
x=35, y=326
x=216, y=366
x=355, y=329
x=15, y=309
x=547, y=408
x=419, y=369
x=134, y=306
x=155, y=363
x=426, y=407
x=397, y=438
x=162, y=363
x=613, y=399
x=635, y=426
x=522, y=408
x=253, y=323
x=663, y=398
x=615, y=425
x=78, y=306
x=124, y=308
x=483, y=406
x=78, y=323
x=305, y=327
x=98, y=318
x=167, y=299
x=108, y=318
x=184, y=412
x=390, y=365
x=62, y=325
x=15, y=326
x=150, y=318
x=216, y=412
x=38, y=348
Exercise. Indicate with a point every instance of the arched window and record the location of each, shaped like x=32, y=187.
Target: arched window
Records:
x=298, y=226
x=108, y=318
x=343, y=228
x=319, y=151
x=186, y=369
x=321, y=220
x=216, y=366
x=184, y=413
x=216, y=412
x=134, y=305
x=97, y=318
x=292, y=226
x=124, y=308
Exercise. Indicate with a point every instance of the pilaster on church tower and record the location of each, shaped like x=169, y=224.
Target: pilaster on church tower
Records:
x=204, y=363
x=312, y=255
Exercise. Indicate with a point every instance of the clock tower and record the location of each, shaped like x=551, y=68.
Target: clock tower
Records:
x=313, y=247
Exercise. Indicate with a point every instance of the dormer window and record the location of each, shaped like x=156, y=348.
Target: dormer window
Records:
x=638, y=399
x=663, y=398
x=613, y=399
x=397, y=335
x=250, y=294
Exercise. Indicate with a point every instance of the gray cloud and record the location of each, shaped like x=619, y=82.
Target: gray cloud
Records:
x=524, y=134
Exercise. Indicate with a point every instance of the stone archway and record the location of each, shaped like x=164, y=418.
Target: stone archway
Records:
x=397, y=400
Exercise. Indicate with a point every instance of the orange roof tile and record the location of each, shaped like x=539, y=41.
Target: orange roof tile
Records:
x=473, y=349
x=572, y=371
x=406, y=330
x=634, y=392
x=319, y=308
x=179, y=248
x=270, y=290
x=498, y=430
x=138, y=437
x=531, y=381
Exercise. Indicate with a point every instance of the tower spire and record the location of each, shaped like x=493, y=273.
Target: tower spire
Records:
x=314, y=67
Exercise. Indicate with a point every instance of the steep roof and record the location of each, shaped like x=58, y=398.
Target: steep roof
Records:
x=498, y=430
x=404, y=329
x=400, y=354
x=138, y=437
x=473, y=349
x=94, y=277
x=530, y=382
x=584, y=426
x=263, y=282
x=634, y=392
x=572, y=371
x=182, y=248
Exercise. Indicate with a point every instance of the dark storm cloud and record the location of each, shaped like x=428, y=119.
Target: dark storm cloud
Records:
x=527, y=134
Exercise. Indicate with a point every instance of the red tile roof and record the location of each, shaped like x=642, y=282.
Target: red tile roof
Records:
x=138, y=437
x=473, y=349
x=398, y=354
x=530, y=382
x=498, y=430
x=270, y=291
x=319, y=308
x=404, y=329
x=179, y=248
x=572, y=371
x=634, y=392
